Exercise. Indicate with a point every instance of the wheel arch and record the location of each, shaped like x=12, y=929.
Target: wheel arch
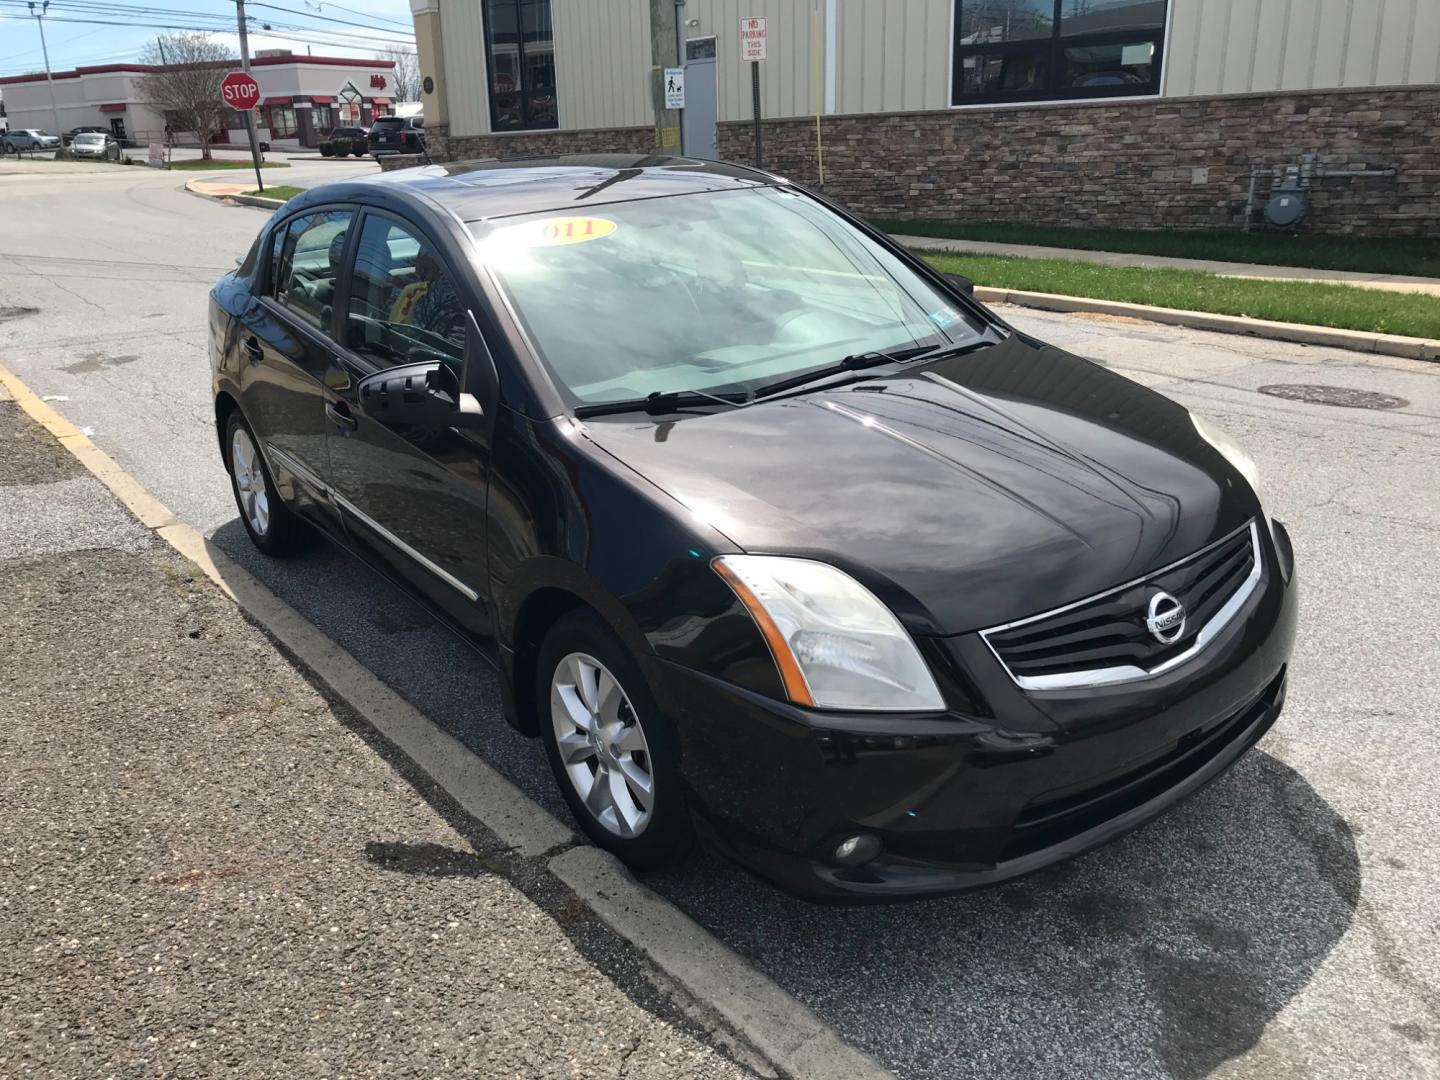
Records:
x=554, y=589
x=225, y=404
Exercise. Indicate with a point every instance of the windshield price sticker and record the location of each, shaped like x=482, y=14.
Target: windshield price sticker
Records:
x=553, y=232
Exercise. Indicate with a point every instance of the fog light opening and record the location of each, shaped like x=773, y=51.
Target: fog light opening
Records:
x=855, y=850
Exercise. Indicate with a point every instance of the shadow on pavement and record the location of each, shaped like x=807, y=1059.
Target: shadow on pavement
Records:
x=1162, y=955
x=1165, y=954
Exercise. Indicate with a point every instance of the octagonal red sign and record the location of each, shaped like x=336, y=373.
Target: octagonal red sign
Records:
x=240, y=90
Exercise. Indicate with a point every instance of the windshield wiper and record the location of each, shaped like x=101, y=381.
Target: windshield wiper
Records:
x=660, y=403
x=871, y=359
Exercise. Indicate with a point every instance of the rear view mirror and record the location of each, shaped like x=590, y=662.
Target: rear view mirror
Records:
x=960, y=282
x=423, y=395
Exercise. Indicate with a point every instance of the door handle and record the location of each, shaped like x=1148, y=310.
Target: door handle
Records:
x=253, y=350
x=341, y=416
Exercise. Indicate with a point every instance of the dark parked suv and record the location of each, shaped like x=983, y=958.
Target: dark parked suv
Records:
x=397, y=135
x=768, y=528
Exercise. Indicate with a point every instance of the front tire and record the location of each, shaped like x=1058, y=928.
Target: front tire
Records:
x=613, y=753
x=272, y=527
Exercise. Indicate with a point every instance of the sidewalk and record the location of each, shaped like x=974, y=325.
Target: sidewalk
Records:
x=1391, y=282
x=208, y=869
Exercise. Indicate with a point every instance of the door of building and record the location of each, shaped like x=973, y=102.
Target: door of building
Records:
x=701, y=111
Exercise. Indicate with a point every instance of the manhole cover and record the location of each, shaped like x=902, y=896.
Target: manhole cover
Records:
x=1334, y=395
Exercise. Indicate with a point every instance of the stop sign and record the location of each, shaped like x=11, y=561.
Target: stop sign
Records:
x=240, y=90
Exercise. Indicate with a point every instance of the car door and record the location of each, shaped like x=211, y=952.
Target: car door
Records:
x=286, y=350
x=412, y=497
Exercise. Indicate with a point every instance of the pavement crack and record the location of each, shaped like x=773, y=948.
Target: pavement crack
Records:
x=627, y=1054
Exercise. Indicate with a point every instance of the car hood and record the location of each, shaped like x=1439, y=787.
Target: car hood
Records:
x=965, y=493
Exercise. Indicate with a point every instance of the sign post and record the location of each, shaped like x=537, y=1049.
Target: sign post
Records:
x=754, y=48
x=250, y=111
x=241, y=92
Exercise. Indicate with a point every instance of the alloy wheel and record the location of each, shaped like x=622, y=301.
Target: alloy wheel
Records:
x=250, y=481
x=602, y=745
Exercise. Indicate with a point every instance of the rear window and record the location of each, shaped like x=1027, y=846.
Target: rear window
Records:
x=387, y=122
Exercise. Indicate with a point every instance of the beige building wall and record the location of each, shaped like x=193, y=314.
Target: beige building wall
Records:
x=602, y=63
x=892, y=57
x=875, y=56
x=429, y=45
x=788, y=77
x=467, y=95
x=1242, y=46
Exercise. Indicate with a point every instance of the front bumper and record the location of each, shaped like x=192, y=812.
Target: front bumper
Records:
x=1012, y=783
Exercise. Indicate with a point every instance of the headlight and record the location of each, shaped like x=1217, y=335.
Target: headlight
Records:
x=836, y=645
x=1230, y=450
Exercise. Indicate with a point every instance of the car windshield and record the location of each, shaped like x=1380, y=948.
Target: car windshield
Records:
x=89, y=139
x=723, y=291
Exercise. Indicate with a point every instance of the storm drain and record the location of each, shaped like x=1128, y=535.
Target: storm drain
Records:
x=1334, y=395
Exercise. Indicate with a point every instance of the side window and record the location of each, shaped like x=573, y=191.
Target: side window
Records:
x=308, y=264
x=403, y=303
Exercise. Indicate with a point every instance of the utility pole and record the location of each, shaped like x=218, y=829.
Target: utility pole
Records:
x=249, y=113
x=664, y=33
x=45, y=51
x=680, y=59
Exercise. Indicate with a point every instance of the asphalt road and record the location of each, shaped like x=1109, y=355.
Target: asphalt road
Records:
x=1285, y=922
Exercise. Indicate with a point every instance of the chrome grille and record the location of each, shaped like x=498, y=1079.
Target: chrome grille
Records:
x=1105, y=639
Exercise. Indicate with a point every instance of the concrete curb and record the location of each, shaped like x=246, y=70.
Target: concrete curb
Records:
x=1356, y=340
x=782, y=1031
x=244, y=200
x=780, y=1028
x=256, y=200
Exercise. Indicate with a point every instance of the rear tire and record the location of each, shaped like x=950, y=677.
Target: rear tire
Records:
x=272, y=527
x=613, y=753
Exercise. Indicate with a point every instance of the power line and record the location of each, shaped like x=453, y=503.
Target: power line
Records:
x=316, y=33
x=354, y=11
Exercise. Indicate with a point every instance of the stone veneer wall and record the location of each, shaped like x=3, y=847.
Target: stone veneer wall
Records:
x=1166, y=163
x=445, y=147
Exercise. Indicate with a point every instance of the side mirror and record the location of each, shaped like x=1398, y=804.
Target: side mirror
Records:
x=960, y=282
x=425, y=394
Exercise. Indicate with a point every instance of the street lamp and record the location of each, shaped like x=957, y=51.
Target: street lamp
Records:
x=50, y=82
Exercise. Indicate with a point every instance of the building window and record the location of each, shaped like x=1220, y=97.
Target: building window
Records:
x=1048, y=50
x=520, y=51
x=282, y=122
x=322, y=117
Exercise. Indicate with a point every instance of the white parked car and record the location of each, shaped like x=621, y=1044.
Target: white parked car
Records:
x=28, y=139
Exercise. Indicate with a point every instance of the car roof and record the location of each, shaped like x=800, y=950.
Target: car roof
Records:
x=480, y=190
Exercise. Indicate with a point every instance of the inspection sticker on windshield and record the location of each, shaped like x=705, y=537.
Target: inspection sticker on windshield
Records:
x=944, y=317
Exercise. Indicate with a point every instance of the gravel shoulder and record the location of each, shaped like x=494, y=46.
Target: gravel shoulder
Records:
x=207, y=868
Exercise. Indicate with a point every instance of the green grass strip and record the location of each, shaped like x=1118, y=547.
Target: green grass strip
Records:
x=1416, y=256
x=279, y=191
x=1343, y=306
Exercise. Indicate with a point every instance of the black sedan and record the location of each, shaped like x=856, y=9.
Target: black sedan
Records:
x=772, y=532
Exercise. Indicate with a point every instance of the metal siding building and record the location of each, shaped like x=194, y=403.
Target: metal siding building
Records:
x=886, y=82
